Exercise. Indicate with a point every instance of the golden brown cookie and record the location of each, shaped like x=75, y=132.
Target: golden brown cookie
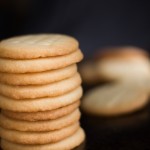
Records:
x=38, y=137
x=38, y=78
x=41, y=104
x=45, y=115
x=66, y=144
x=123, y=63
x=40, y=64
x=115, y=99
x=37, y=46
x=40, y=91
x=38, y=126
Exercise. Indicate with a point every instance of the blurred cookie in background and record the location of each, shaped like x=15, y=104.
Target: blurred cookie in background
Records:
x=121, y=63
x=114, y=99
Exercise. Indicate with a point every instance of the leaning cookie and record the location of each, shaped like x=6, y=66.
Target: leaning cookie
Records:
x=37, y=46
x=40, y=91
x=40, y=64
x=41, y=104
x=112, y=100
x=33, y=137
x=39, y=126
x=45, y=115
x=123, y=63
x=68, y=143
x=40, y=78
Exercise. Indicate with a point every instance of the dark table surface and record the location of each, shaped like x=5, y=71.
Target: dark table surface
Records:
x=129, y=132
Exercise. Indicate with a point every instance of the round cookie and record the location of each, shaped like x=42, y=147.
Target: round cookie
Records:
x=40, y=91
x=33, y=137
x=123, y=69
x=69, y=143
x=114, y=100
x=38, y=78
x=41, y=104
x=37, y=46
x=145, y=84
x=45, y=115
x=39, y=126
x=123, y=63
x=40, y=64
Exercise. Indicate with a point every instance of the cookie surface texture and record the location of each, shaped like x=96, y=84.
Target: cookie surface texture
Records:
x=40, y=91
x=33, y=137
x=38, y=78
x=37, y=46
x=38, y=126
x=41, y=104
x=40, y=64
x=66, y=144
x=45, y=115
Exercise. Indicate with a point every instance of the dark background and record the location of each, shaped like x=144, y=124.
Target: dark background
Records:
x=95, y=23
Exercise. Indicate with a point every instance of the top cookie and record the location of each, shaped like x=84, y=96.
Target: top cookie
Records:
x=37, y=46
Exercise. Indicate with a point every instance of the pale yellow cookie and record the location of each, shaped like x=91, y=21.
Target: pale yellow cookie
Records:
x=117, y=69
x=45, y=115
x=38, y=78
x=40, y=64
x=41, y=104
x=38, y=137
x=40, y=91
x=38, y=45
x=115, y=99
x=38, y=126
x=121, y=63
x=143, y=83
x=69, y=143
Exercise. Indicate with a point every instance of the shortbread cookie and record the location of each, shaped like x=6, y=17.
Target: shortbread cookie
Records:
x=36, y=46
x=45, y=115
x=123, y=63
x=33, y=137
x=66, y=144
x=38, y=78
x=40, y=91
x=41, y=104
x=40, y=64
x=89, y=72
x=38, y=126
x=143, y=83
x=114, y=100
x=123, y=69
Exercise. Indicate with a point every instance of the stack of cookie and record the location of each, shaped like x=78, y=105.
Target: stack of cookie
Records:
x=40, y=91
